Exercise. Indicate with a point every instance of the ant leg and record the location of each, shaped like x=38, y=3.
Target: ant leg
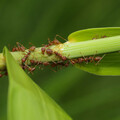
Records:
x=56, y=67
x=100, y=59
x=24, y=59
x=93, y=58
x=41, y=68
x=49, y=41
x=31, y=44
x=60, y=37
x=20, y=47
x=31, y=69
x=52, y=69
x=19, y=44
x=25, y=66
x=84, y=58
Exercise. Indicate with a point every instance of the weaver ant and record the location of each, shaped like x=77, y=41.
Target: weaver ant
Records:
x=25, y=57
x=31, y=49
x=63, y=58
x=46, y=63
x=31, y=69
x=97, y=37
x=55, y=41
x=87, y=59
x=49, y=51
x=19, y=48
x=59, y=64
x=73, y=61
x=43, y=49
x=15, y=49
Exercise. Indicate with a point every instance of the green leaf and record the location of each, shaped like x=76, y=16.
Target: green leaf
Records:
x=110, y=64
x=93, y=33
x=26, y=100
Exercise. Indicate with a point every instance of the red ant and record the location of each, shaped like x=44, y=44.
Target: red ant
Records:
x=87, y=59
x=30, y=69
x=54, y=64
x=19, y=48
x=31, y=49
x=63, y=58
x=55, y=41
x=25, y=57
x=80, y=60
x=46, y=63
x=15, y=49
x=60, y=64
x=43, y=50
x=97, y=37
x=66, y=64
x=96, y=59
x=33, y=62
x=73, y=61
x=91, y=59
x=49, y=51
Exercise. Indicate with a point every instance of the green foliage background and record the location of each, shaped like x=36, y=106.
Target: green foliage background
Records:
x=82, y=95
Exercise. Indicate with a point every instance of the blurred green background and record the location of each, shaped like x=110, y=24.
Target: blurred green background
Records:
x=82, y=95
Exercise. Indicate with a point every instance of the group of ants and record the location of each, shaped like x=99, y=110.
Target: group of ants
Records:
x=63, y=60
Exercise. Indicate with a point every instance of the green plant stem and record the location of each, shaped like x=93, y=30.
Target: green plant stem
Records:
x=92, y=47
x=70, y=50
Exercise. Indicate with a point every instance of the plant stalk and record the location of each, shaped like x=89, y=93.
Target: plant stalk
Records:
x=68, y=49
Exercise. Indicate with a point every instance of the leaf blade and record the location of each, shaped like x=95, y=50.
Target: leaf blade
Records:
x=110, y=64
x=26, y=101
x=89, y=34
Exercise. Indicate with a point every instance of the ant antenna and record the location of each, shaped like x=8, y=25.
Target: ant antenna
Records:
x=100, y=59
x=49, y=41
x=59, y=37
x=84, y=58
x=31, y=43
x=93, y=58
